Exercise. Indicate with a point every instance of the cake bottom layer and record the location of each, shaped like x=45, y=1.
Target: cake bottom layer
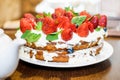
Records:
x=58, y=56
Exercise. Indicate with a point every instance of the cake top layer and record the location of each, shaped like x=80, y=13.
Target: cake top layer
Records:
x=64, y=22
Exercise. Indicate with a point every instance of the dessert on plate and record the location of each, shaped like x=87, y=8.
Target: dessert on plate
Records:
x=62, y=36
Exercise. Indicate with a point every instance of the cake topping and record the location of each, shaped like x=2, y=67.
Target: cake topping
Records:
x=63, y=22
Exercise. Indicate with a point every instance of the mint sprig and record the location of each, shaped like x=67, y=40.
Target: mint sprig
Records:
x=68, y=8
x=47, y=14
x=53, y=36
x=78, y=20
x=30, y=37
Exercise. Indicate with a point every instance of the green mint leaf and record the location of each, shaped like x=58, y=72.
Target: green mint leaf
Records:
x=78, y=20
x=30, y=37
x=75, y=14
x=98, y=29
x=53, y=36
x=25, y=34
x=33, y=37
x=39, y=26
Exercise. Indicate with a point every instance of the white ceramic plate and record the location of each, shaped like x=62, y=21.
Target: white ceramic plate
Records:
x=106, y=52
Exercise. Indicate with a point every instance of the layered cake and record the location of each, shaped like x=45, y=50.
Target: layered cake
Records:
x=62, y=36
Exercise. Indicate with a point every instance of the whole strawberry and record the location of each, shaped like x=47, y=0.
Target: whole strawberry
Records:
x=103, y=21
x=59, y=12
x=48, y=26
x=67, y=34
x=25, y=24
x=94, y=21
x=29, y=16
x=32, y=19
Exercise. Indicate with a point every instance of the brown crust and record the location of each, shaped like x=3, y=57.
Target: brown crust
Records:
x=62, y=56
x=59, y=58
x=51, y=46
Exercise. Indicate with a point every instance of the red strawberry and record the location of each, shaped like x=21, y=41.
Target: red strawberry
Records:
x=63, y=22
x=94, y=21
x=90, y=26
x=54, y=16
x=48, y=26
x=62, y=19
x=67, y=34
x=73, y=27
x=64, y=25
x=83, y=30
x=28, y=15
x=69, y=15
x=25, y=25
x=59, y=12
x=31, y=18
x=103, y=21
x=84, y=13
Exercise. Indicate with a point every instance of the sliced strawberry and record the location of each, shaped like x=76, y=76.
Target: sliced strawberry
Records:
x=103, y=21
x=67, y=34
x=83, y=30
x=94, y=21
x=59, y=12
x=25, y=25
x=90, y=26
x=48, y=26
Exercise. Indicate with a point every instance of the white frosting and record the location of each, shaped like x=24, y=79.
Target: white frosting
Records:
x=49, y=56
x=75, y=39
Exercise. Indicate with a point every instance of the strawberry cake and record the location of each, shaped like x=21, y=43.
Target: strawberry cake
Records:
x=62, y=36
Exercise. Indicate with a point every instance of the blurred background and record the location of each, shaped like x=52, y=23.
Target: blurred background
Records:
x=13, y=10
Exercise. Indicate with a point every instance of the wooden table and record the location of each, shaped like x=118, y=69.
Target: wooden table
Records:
x=106, y=70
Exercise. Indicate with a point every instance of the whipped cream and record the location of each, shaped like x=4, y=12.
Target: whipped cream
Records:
x=75, y=39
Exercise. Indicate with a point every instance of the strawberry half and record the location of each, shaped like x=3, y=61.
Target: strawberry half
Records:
x=103, y=21
x=83, y=30
x=25, y=24
x=67, y=34
x=48, y=26
x=90, y=26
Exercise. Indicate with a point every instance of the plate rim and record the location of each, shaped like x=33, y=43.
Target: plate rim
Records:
x=67, y=65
